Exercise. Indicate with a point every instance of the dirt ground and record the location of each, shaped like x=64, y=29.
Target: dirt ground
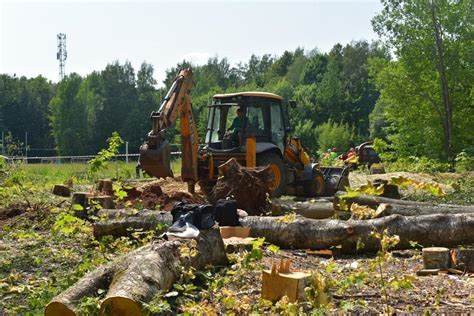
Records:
x=31, y=257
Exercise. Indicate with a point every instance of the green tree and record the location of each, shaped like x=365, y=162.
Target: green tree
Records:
x=69, y=117
x=433, y=42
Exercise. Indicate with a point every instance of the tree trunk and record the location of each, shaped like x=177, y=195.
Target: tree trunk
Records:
x=448, y=107
x=442, y=230
x=305, y=209
x=134, y=278
x=427, y=230
x=122, y=222
x=402, y=207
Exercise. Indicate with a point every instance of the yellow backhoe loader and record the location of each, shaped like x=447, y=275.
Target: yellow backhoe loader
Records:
x=252, y=127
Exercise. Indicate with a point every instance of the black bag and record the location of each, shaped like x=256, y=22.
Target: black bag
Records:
x=226, y=214
x=203, y=215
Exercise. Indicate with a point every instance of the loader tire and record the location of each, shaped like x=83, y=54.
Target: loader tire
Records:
x=316, y=185
x=278, y=170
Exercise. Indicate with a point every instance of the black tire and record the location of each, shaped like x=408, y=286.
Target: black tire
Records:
x=316, y=186
x=274, y=161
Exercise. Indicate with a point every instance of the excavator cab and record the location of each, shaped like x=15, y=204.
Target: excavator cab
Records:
x=234, y=117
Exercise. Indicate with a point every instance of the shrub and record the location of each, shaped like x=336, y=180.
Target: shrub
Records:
x=332, y=134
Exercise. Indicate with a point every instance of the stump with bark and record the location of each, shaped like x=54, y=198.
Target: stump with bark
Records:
x=61, y=190
x=250, y=187
x=134, y=278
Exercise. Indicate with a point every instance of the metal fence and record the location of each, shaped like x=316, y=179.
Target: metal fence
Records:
x=78, y=159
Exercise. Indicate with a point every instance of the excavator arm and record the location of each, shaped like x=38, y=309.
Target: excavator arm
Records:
x=155, y=153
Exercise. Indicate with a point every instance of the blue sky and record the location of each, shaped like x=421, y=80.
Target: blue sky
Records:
x=164, y=33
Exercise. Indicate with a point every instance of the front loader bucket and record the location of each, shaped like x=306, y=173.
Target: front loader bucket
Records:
x=335, y=178
x=156, y=161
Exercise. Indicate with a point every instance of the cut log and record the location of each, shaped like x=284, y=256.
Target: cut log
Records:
x=122, y=222
x=402, y=207
x=305, y=209
x=61, y=190
x=65, y=303
x=427, y=230
x=436, y=258
x=444, y=230
x=463, y=259
x=134, y=278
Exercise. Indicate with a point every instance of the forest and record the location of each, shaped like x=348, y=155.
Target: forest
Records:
x=412, y=89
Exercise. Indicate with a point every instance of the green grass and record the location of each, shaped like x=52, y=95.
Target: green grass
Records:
x=58, y=173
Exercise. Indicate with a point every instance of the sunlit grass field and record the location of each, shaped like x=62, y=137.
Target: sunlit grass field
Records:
x=57, y=173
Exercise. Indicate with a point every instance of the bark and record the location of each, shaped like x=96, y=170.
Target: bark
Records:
x=403, y=207
x=448, y=106
x=136, y=277
x=62, y=190
x=122, y=222
x=463, y=259
x=417, y=210
x=427, y=230
x=65, y=303
x=305, y=209
x=442, y=230
x=436, y=258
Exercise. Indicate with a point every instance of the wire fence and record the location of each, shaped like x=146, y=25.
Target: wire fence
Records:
x=78, y=159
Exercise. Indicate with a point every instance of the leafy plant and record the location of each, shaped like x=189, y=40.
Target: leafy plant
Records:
x=100, y=162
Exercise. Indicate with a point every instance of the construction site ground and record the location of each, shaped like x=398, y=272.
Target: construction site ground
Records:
x=44, y=250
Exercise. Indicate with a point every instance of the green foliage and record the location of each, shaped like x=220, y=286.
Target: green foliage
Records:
x=332, y=134
x=100, y=162
x=427, y=92
x=464, y=162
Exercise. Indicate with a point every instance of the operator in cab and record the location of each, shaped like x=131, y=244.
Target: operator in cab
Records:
x=237, y=122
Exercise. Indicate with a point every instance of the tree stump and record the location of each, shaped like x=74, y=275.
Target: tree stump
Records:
x=82, y=199
x=105, y=186
x=280, y=281
x=61, y=190
x=436, y=258
x=463, y=259
x=106, y=201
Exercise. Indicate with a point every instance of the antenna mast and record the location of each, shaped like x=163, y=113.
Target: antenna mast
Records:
x=61, y=55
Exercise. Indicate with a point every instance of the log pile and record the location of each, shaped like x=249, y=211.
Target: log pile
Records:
x=136, y=277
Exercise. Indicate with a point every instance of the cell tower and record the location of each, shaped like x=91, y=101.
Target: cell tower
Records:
x=61, y=55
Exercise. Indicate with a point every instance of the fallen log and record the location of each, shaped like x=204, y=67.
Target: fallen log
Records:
x=305, y=209
x=122, y=222
x=134, y=278
x=443, y=230
x=402, y=207
x=428, y=230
